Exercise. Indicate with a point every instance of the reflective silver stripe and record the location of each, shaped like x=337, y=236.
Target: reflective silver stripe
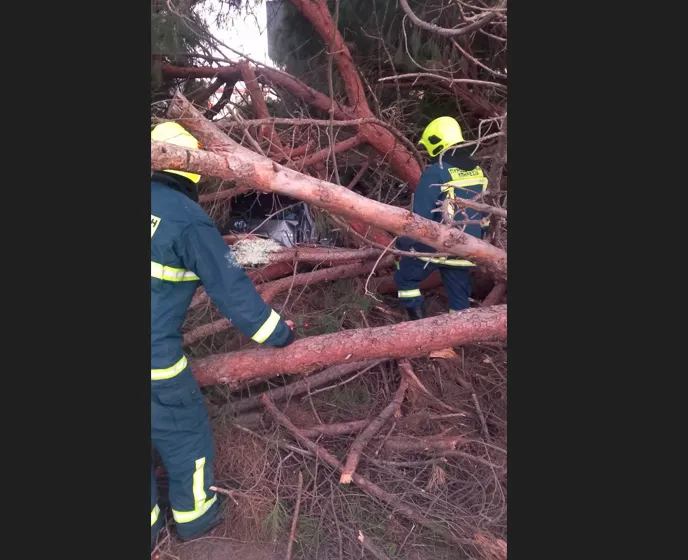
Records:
x=168, y=373
x=408, y=293
x=268, y=327
x=171, y=274
x=447, y=262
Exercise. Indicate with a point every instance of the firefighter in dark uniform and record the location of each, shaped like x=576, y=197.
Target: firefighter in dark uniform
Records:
x=455, y=176
x=187, y=251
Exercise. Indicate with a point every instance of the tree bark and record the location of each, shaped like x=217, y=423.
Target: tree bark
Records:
x=404, y=340
x=382, y=141
x=248, y=168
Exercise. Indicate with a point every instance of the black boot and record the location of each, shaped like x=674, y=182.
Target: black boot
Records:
x=416, y=313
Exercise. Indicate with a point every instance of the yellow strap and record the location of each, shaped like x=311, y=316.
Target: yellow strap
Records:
x=408, y=293
x=447, y=262
x=154, y=514
x=268, y=328
x=171, y=274
x=168, y=373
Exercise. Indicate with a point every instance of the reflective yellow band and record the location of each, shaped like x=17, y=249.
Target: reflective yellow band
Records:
x=188, y=516
x=168, y=373
x=465, y=184
x=408, y=293
x=154, y=514
x=171, y=274
x=447, y=262
x=268, y=327
x=201, y=505
x=198, y=491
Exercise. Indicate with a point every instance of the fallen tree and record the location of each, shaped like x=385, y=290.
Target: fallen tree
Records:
x=248, y=168
x=404, y=340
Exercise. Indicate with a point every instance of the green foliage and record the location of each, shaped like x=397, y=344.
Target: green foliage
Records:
x=276, y=521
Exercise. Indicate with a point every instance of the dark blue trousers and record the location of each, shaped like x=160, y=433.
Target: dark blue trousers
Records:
x=181, y=433
x=411, y=272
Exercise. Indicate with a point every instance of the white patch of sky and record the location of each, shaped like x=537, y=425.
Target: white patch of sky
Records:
x=244, y=30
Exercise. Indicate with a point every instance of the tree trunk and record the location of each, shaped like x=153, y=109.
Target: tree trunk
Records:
x=248, y=168
x=404, y=340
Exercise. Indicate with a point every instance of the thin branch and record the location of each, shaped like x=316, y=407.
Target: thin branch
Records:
x=354, y=455
x=476, y=61
x=225, y=122
x=443, y=31
x=443, y=78
x=297, y=507
x=374, y=490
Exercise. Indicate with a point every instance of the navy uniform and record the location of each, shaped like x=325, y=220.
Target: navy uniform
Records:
x=188, y=251
x=456, y=176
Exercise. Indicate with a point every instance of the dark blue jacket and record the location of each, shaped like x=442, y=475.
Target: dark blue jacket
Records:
x=187, y=251
x=457, y=168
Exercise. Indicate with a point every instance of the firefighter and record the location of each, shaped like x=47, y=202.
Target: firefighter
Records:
x=187, y=251
x=454, y=175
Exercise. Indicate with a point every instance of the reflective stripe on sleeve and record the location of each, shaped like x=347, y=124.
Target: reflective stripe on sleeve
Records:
x=446, y=262
x=170, y=274
x=168, y=373
x=408, y=293
x=268, y=327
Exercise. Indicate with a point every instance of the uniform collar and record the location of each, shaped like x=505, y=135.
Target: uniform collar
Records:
x=177, y=183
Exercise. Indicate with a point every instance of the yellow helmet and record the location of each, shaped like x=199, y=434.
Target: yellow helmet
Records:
x=440, y=134
x=173, y=133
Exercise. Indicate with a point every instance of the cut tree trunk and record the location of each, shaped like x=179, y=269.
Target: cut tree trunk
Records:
x=248, y=168
x=404, y=340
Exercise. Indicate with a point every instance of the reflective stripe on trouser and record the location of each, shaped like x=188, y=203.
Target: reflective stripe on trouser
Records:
x=412, y=272
x=170, y=274
x=180, y=431
x=267, y=328
x=156, y=517
x=155, y=513
x=408, y=293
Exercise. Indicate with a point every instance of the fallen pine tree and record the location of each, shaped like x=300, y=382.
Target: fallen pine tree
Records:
x=403, y=340
x=247, y=168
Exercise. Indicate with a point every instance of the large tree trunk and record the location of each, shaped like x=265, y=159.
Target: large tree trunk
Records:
x=404, y=340
x=248, y=168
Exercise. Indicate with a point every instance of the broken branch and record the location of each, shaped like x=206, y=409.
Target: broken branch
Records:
x=354, y=455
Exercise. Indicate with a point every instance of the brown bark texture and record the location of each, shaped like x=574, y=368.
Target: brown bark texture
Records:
x=404, y=340
x=248, y=168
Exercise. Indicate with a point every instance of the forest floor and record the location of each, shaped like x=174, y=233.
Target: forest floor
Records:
x=443, y=453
